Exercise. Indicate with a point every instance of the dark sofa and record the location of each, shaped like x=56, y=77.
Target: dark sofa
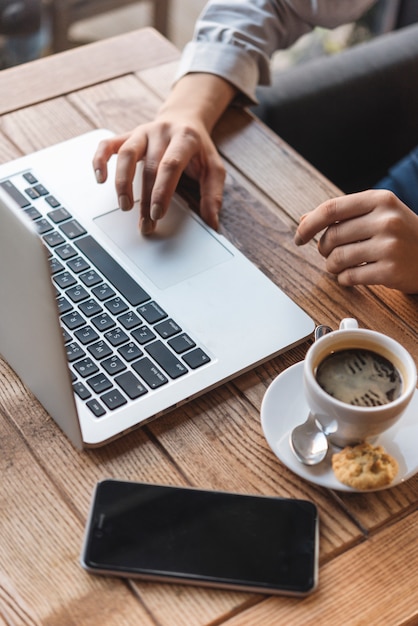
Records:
x=353, y=114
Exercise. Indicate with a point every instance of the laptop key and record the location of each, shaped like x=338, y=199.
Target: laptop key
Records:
x=72, y=229
x=14, y=193
x=43, y=226
x=166, y=359
x=99, y=383
x=52, y=201
x=90, y=307
x=182, y=343
x=65, y=252
x=41, y=190
x=30, y=178
x=100, y=350
x=168, y=328
x=152, y=312
x=55, y=266
x=32, y=193
x=130, y=351
x=96, y=408
x=86, y=335
x=113, y=272
x=33, y=213
x=74, y=352
x=103, y=322
x=143, y=335
x=113, y=399
x=86, y=367
x=77, y=293
x=113, y=365
x=116, y=306
x=64, y=305
x=90, y=278
x=58, y=215
x=53, y=239
x=78, y=264
x=131, y=385
x=116, y=336
x=196, y=358
x=82, y=391
x=149, y=373
x=129, y=320
x=64, y=280
x=103, y=292
x=66, y=335
x=73, y=320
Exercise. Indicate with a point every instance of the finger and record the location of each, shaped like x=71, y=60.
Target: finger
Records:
x=332, y=211
x=367, y=274
x=105, y=149
x=211, y=191
x=351, y=255
x=130, y=152
x=342, y=233
x=174, y=161
x=152, y=160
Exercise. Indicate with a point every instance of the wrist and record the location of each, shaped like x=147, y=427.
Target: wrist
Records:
x=200, y=97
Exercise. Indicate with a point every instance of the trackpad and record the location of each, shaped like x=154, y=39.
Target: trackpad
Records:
x=180, y=248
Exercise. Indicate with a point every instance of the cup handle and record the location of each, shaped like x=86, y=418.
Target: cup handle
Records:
x=348, y=323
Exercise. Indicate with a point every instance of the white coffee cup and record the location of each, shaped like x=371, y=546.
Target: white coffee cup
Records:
x=346, y=423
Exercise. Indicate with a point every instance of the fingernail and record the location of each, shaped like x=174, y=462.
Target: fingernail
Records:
x=298, y=240
x=147, y=226
x=156, y=212
x=124, y=203
x=99, y=176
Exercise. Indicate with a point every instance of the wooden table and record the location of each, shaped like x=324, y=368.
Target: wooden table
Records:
x=369, y=542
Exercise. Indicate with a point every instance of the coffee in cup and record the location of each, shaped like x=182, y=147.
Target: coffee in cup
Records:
x=359, y=377
x=357, y=382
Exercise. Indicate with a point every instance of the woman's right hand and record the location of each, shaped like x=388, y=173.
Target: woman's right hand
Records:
x=177, y=141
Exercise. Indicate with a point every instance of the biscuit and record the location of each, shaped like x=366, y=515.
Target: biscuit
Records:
x=364, y=466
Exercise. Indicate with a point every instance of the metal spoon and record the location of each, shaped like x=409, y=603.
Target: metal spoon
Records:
x=308, y=441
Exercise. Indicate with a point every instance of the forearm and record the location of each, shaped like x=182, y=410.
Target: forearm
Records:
x=198, y=97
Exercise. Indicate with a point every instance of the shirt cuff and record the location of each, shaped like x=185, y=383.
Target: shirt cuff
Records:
x=230, y=62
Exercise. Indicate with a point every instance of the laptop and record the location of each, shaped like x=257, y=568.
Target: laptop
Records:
x=110, y=329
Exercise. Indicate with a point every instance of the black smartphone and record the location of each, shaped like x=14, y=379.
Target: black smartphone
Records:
x=193, y=536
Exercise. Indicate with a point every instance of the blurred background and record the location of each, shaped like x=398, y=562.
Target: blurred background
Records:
x=30, y=29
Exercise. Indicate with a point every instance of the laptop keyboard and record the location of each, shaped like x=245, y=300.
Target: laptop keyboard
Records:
x=121, y=344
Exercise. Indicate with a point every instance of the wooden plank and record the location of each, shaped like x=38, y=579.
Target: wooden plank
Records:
x=135, y=457
x=8, y=151
x=43, y=124
x=41, y=580
x=102, y=104
x=74, y=69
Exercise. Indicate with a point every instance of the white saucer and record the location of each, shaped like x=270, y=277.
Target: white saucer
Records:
x=284, y=406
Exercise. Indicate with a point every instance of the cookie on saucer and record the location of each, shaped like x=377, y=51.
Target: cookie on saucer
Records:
x=364, y=466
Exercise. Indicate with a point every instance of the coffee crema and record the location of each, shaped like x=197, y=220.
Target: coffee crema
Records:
x=359, y=377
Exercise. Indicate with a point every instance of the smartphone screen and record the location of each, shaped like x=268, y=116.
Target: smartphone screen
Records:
x=218, y=539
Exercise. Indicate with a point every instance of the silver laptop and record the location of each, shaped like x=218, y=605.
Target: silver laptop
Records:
x=108, y=328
